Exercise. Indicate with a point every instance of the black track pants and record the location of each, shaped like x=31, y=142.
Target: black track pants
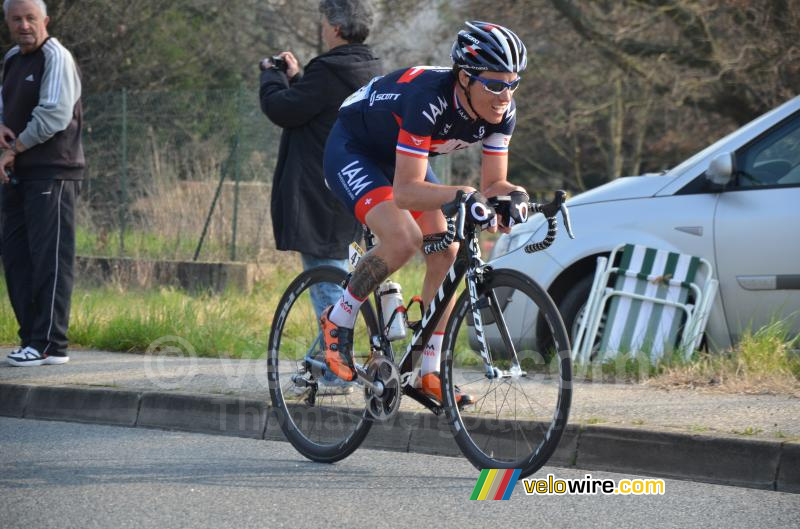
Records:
x=38, y=236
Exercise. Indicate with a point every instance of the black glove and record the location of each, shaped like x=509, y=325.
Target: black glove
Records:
x=479, y=211
x=514, y=211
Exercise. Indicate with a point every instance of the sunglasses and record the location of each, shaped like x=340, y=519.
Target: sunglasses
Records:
x=495, y=86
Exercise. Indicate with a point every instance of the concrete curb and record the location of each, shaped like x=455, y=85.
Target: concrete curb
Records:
x=758, y=464
x=745, y=463
x=82, y=404
x=13, y=399
x=198, y=413
x=788, y=475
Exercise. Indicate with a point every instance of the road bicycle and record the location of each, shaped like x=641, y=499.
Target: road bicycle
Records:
x=517, y=368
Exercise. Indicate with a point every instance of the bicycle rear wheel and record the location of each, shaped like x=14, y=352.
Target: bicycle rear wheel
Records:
x=325, y=423
x=516, y=420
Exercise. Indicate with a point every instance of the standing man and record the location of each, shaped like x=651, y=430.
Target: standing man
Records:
x=305, y=216
x=40, y=169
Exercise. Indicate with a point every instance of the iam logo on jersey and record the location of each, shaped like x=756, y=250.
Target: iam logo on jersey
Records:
x=494, y=484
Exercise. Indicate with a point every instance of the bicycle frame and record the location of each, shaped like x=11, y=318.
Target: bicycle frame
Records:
x=383, y=381
x=468, y=265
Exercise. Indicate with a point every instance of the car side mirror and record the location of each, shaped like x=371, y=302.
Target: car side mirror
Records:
x=720, y=170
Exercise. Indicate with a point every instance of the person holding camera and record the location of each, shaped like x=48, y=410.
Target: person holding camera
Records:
x=305, y=217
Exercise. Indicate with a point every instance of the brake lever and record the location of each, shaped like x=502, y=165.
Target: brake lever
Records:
x=462, y=213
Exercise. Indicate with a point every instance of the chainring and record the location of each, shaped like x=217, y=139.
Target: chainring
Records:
x=383, y=372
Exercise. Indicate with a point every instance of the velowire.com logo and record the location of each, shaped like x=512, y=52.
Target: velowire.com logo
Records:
x=494, y=484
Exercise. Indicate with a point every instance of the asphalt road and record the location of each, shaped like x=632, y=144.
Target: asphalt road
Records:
x=79, y=475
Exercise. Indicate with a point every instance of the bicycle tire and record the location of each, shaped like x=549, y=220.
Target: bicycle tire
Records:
x=530, y=412
x=333, y=426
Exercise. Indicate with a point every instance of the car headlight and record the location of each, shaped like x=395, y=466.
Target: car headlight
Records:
x=513, y=241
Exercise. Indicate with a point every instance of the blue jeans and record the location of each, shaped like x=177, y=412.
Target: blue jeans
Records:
x=325, y=294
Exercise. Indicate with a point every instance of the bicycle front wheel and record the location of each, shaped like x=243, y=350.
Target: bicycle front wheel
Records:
x=324, y=418
x=517, y=419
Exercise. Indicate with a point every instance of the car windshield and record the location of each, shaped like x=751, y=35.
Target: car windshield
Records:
x=745, y=130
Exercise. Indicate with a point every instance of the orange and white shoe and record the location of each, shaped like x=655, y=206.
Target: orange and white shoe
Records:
x=431, y=386
x=338, y=343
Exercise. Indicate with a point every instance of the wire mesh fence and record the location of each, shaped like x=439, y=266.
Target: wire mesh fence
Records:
x=156, y=162
x=180, y=175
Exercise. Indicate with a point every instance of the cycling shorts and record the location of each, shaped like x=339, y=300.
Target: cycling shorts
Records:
x=359, y=181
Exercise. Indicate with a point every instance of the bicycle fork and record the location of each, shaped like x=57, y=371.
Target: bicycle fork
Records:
x=490, y=301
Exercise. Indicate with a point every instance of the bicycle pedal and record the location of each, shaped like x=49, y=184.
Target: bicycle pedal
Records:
x=300, y=381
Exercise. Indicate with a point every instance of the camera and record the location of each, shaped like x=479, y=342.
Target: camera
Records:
x=12, y=180
x=278, y=63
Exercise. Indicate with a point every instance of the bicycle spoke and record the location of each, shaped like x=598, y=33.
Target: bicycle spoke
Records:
x=505, y=398
x=528, y=400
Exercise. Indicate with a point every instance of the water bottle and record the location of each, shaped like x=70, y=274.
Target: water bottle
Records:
x=392, y=300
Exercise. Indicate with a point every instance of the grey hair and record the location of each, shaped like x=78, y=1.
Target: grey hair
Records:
x=354, y=17
x=39, y=3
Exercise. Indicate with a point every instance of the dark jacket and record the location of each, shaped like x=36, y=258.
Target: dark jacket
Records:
x=46, y=81
x=306, y=216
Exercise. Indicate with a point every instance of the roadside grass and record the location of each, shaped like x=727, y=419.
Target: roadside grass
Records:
x=112, y=318
x=765, y=361
x=8, y=323
x=145, y=244
x=230, y=324
x=236, y=325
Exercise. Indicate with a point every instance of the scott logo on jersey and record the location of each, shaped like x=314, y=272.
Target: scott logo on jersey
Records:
x=382, y=97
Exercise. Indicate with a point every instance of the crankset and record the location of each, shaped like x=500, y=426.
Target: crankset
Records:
x=382, y=393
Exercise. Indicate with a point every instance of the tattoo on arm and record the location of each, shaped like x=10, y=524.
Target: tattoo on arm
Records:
x=369, y=273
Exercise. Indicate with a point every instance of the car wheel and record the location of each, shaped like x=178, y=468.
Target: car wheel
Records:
x=573, y=305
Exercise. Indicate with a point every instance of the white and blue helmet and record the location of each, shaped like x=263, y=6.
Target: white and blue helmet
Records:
x=486, y=47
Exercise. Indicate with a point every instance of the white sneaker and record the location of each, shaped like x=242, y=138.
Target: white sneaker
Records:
x=24, y=357
x=31, y=357
x=54, y=360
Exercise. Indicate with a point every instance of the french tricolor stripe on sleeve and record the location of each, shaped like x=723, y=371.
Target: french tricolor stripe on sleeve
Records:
x=413, y=145
x=496, y=144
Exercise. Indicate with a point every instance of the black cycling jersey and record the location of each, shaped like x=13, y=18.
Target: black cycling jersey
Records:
x=411, y=112
x=417, y=112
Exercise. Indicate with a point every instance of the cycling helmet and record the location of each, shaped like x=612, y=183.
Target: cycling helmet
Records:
x=488, y=47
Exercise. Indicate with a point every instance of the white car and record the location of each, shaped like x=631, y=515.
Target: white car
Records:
x=736, y=203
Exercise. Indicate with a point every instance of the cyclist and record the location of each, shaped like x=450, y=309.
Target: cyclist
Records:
x=376, y=162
